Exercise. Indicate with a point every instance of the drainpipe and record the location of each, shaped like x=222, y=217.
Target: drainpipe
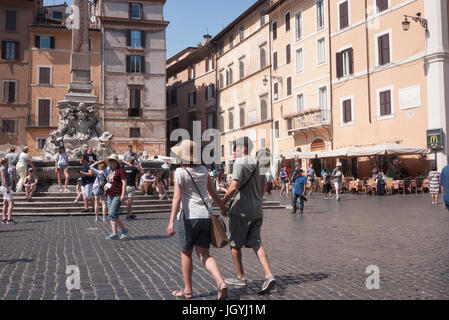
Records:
x=367, y=61
x=271, y=93
x=331, y=93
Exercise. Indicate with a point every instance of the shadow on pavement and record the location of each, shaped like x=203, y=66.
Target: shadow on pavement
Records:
x=19, y=230
x=153, y=237
x=11, y=261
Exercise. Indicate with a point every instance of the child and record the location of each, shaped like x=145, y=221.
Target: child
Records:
x=78, y=191
x=30, y=184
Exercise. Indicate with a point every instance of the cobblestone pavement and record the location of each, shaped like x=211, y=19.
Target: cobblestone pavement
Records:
x=321, y=255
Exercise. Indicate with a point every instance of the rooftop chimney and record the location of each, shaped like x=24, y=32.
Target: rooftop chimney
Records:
x=207, y=38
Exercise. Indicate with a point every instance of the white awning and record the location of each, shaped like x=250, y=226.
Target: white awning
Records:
x=386, y=149
x=342, y=152
x=297, y=155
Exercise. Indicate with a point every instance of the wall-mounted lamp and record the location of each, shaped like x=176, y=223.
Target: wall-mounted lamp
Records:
x=265, y=79
x=424, y=22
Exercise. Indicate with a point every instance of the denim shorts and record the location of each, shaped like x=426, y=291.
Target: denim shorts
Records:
x=114, y=207
x=244, y=232
x=98, y=191
x=193, y=232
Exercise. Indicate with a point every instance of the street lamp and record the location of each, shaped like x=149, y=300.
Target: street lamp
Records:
x=265, y=79
x=417, y=18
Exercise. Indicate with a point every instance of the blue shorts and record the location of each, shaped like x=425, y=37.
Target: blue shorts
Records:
x=98, y=192
x=193, y=232
x=114, y=207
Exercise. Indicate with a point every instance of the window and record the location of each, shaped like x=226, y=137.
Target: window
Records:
x=9, y=91
x=90, y=44
x=221, y=48
x=385, y=103
x=242, y=115
x=210, y=91
x=288, y=54
x=221, y=81
x=300, y=103
x=276, y=91
x=230, y=76
x=319, y=14
x=298, y=24
x=136, y=39
x=276, y=129
x=262, y=18
x=9, y=127
x=383, y=46
x=263, y=57
x=299, y=60
x=289, y=86
x=44, y=75
x=241, y=69
x=45, y=42
x=322, y=96
x=345, y=63
x=231, y=41
x=10, y=50
x=289, y=125
x=134, y=132
x=275, y=60
x=135, y=64
x=210, y=120
x=10, y=20
x=209, y=64
x=287, y=22
x=57, y=15
x=135, y=98
x=43, y=112
x=191, y=72
x=264, y=108
x=174, y=96
x=344, y=15
x=347, y=111
x=242, y=33
x=321, y=51
x=135, y=11
x=275, y=30
x=192, y=99
x=381, y=5
x=231, y=120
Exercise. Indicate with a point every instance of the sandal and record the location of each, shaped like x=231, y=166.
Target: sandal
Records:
x=222, y=292
x=183, y=295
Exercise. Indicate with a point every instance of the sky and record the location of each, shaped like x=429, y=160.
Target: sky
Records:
x=191, y=19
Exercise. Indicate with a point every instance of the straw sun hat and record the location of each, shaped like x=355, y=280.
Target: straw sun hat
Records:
x=186, y=151
x=112, y=157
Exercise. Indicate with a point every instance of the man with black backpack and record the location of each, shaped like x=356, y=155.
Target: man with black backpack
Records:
x=246, y=215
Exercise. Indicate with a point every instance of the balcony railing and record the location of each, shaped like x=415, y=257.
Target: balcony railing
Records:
x=313, y=120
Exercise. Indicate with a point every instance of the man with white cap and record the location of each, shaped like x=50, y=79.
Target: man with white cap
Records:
x=338, y=176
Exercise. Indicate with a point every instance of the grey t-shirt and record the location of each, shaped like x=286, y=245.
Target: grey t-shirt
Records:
x=7, y=177
x=310, y=174
x=248, y=202
x=13, y=158
x=338, y=175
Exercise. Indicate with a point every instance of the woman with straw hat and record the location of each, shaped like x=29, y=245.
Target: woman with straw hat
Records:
x=115, y=189
x=192, y=185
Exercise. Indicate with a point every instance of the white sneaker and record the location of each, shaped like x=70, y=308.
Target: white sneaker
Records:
x=75, y=201
x=104, y=219
x=60, y=190
x=96, y=219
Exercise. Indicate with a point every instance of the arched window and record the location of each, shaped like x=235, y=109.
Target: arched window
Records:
x=318, y=145
x=263, y=58
x=231, y=120
x=263, y=109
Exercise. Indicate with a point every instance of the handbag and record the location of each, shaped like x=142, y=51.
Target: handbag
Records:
x=219, y=238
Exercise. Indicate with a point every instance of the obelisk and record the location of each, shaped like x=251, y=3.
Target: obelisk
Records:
x=80, y=88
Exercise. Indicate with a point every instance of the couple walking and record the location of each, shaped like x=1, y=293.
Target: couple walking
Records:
x=194, y=224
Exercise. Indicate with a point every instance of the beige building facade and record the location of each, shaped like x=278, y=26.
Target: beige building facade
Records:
x=244, y=78
x=301, y=78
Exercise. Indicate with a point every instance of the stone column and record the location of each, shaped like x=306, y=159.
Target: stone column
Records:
x=437, y=67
